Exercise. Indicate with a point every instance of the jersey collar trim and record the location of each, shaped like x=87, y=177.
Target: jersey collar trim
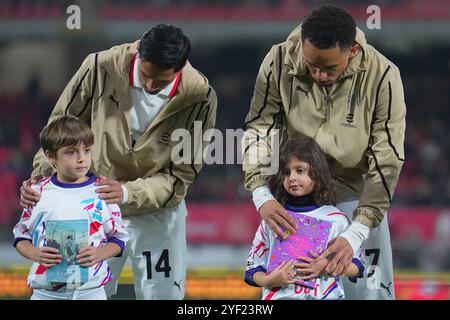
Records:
x=56, y=182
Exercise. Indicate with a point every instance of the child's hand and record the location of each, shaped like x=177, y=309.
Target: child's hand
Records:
x=313, y=268
x=47, y=257
x=281, y=275
x=89, y=256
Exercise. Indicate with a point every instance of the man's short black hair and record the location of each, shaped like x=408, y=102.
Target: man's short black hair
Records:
x=327, y=26
x=165, y=46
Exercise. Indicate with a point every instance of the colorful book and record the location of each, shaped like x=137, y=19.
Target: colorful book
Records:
x=68, y=236
x=312, y=235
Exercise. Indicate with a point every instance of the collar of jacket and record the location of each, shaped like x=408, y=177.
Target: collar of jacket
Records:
x=164, y=92
x=117, y=62
x=295, y=63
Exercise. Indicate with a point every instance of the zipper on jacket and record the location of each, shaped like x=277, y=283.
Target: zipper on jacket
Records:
x=130, y=143
x=353, y=98
x=329, y=106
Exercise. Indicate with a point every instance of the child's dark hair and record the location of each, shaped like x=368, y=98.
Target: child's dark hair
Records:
x=65, y=131
x=307, y=150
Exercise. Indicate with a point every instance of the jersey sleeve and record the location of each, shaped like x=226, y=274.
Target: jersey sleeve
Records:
x=24, y=229
x=114, y=228
x=259, y=254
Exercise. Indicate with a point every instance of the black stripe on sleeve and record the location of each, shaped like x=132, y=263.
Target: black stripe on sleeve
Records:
x=75, y=92
x=386, y=123
x=383, y=179
x=198, y=113
x=371, y=140
x=376, y=98
x=251, y=143
x=94, y=85
x=275, y=119
x=193, y=159
x=178, y=180
x=173, y=186
x=290, y=95
x=189, y=117
x=280, y=63
x=266, y=94
x=103, y=90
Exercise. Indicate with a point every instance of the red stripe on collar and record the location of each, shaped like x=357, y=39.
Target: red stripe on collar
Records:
x=175, y=86
x=131, y=75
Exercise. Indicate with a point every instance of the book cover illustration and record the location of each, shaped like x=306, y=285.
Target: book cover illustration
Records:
x=312, y=235
x=68, y=236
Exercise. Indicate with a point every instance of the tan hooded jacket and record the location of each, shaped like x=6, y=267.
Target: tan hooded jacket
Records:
x=360, y=123
x=99, y=93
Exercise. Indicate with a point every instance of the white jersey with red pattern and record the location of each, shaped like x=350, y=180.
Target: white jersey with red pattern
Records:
x=62, y=202
x=326, y=287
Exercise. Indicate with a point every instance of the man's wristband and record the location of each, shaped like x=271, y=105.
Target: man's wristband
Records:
x=125, y=194
x=356, y=234
x=261, y=195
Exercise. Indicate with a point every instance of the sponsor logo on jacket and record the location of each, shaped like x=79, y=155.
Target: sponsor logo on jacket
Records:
x=164, y=139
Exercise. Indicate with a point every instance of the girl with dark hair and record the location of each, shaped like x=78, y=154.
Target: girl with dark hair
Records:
x=303, y=185
x=313, y=166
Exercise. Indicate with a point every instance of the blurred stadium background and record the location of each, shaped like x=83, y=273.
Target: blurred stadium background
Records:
x=38, y=55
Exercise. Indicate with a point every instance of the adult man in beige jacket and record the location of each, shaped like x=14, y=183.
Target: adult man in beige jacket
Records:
x=134, y=96
x=326, y=82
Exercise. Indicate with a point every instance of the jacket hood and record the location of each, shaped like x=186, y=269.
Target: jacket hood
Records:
x=294, y=60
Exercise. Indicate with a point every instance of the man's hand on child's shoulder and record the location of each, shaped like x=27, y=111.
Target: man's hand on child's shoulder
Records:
x=28, y=196
x=109, y=190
